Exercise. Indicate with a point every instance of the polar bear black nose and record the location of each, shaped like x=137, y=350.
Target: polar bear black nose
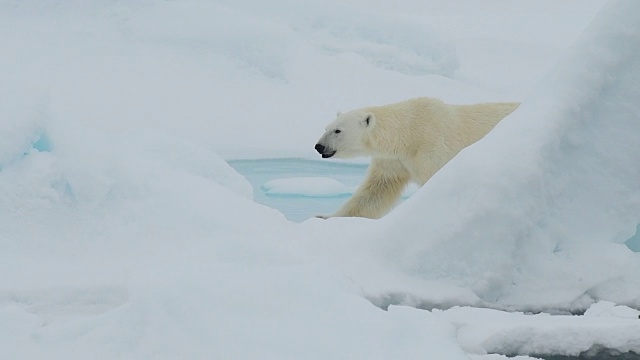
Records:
x=320, y=148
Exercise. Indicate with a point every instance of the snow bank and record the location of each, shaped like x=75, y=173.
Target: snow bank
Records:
x=604, y=326
x=538, y=219
x=228, y=311
x=131, y=248
x=94, y=195
x=123, y=234
x=306, y=186
x=141, y=245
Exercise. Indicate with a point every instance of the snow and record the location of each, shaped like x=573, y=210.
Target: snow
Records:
x=550, y=236
x=306, y=186
x=483, y=331
x=124, y=234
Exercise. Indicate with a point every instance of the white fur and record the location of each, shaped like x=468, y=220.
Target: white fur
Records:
x=408, y=141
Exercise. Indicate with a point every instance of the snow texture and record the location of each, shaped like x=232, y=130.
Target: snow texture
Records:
x=124, y=234
x=604, y=326
x=549, y=197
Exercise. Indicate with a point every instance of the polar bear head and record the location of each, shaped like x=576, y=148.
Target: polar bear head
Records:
x=347, y=135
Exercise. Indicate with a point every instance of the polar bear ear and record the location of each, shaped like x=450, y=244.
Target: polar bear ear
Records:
x=369, y=120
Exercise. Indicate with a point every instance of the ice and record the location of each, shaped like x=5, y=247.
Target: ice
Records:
x=482, y=331
x=306, y=186
x=124, y=233
x=607, y=308
x=634, y=242
x=21, y=125
x=551, y=237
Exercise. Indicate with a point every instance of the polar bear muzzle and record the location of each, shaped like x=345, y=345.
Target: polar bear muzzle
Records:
x=322, y=150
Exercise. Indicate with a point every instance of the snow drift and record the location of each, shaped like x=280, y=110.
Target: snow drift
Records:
x=124, y=235
x=534, y=216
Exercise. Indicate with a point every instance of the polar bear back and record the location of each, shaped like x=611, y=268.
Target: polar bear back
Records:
x=430, y=126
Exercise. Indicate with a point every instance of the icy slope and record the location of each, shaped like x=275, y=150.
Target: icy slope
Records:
x=538, y=218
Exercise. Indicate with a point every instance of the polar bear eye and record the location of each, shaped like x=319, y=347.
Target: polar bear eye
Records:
x=337, y=131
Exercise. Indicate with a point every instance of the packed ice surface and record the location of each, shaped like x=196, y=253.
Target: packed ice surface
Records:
x=125, y=235
x=306, y=186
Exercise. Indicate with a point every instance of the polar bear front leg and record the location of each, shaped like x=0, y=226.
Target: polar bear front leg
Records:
x=385, y=182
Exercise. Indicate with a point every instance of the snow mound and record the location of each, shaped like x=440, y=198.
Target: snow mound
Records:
x=548, y=197
x=123, y=235
x=97, y=193
x=482, y=331
x=307, y=187
x=535, y=215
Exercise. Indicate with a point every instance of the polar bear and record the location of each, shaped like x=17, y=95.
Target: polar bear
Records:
x=408, y=142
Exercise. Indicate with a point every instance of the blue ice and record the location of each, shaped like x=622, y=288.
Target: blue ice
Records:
x=299, y=207
x=43, y=143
